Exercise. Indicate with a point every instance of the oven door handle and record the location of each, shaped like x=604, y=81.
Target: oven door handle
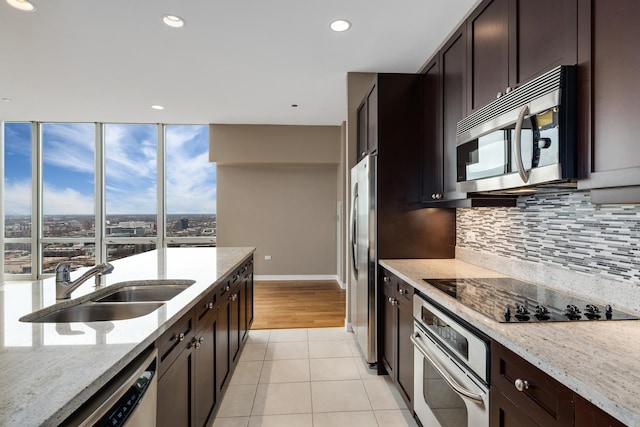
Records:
x=524, y=174
x=443, y=372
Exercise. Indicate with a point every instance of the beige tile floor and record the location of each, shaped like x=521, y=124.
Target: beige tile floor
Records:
x=308, y=378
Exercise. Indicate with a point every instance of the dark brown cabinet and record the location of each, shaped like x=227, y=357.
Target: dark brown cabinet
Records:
x=609, y=65
x=488, y=53
x=523, y=395
x=368, y=123
x=588, y=415
x=199, y=352
x=397, y=327
x=512, y=41
x=176, y=370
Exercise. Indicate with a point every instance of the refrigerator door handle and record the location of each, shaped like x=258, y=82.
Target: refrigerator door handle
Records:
x=354, y=231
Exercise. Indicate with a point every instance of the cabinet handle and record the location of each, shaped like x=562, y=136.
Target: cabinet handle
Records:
x=196, y=343
x=209, y=306
x=393, y=301
x=498, y=95
x=233, y=297
x=521, y=385
x=403, y=291
x=227, y=288
x=201, y=340
x=180, y=337
x=436, y=196
x=364, y=153
x=508, y=90
x=387, y=279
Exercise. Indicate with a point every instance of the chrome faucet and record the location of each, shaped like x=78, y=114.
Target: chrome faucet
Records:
x=64, y=284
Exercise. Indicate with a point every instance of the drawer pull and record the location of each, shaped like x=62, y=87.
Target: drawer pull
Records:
x=521, y=385
x=209, y=305
x=403, y=291
x=386, y=279
x=180, y=337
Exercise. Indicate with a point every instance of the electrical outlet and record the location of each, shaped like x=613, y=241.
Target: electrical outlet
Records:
x=267, y=257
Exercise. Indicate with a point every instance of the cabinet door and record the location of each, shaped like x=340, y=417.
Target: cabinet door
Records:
x=389, y=325
x=362, y=129
x=176, y=392
x=453, y=57
x=431, y=148
x=249, y=296
x=223, y=364
x=488, y=52
x=205, y=378
x=372, y=120
x=543, y=399
x=234, y=323
x=609, y=66
x=542, y=35
x=405, y=350
x=503, y=413
x=588, y=415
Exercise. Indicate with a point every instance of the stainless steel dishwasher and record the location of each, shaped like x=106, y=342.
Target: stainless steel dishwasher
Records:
x=127, y=400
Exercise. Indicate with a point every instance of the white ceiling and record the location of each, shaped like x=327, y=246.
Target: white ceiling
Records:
x=235, y=61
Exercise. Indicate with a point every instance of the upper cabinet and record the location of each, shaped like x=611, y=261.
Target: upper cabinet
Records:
x=368, y=123
x=512, y=41
x=609, y=66
x=443, y=105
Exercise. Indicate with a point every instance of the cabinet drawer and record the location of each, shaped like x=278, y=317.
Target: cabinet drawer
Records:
x=174, y=340
x=544, y=399
x=207, y=305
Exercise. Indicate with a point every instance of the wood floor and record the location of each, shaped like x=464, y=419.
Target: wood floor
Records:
x=295, y=304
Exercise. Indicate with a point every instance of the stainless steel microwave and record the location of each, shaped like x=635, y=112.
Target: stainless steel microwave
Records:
x=522, y=140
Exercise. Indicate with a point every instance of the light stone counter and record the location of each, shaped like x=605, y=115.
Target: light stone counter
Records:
x=50, y=369
x=597, y=360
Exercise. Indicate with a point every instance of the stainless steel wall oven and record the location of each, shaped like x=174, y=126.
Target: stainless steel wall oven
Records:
x=451, y=364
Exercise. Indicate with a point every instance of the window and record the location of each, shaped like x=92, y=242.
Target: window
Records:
x=96, y=186
x=68, y=202
x=190, y=183
x=17, y=198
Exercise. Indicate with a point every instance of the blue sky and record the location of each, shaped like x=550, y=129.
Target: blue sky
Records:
x=131, y=158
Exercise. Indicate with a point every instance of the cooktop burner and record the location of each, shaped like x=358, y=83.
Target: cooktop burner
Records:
x=511, y=300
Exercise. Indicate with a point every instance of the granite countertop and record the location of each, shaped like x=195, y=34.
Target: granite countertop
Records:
x=597, y=360
x=50, y=369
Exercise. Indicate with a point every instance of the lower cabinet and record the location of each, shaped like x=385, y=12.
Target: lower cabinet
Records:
x=396, y=329
x=522, y=395
x=198, y=354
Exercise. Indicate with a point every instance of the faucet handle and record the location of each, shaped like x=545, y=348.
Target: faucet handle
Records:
x=63, y=270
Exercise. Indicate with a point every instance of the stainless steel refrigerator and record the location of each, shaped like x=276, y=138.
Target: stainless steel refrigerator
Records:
x=364, y=256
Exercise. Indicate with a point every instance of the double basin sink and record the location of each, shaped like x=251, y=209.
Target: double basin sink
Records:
x=124, y=300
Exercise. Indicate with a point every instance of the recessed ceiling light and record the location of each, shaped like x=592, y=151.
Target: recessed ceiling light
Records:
x=22, y=5
x=157, y=107
x=340, y=25
x=6, y=99
x=173, y=21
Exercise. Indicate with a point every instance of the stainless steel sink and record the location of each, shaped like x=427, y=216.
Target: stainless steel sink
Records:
x=92, y=312
x=146, y=290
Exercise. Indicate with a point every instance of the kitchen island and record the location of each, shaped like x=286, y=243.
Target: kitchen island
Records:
x=596, y=360
x=51, y=369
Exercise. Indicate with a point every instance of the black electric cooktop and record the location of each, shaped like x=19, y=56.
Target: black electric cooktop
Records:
x=510, y=300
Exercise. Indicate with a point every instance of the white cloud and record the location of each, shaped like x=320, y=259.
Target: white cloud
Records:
x=69, y=146
x=66, y=201
x=190, y=185
x=17, y=197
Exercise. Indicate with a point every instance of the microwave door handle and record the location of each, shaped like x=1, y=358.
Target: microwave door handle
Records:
x=354, y=233
x=524, y=174
x=463, y=392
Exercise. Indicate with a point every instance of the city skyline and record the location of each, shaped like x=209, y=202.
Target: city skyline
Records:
x=130, y=169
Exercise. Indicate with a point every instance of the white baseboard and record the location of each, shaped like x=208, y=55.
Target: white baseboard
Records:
x=281, y=278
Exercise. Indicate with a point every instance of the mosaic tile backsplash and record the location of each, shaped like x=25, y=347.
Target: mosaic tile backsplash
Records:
x=563, y=230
